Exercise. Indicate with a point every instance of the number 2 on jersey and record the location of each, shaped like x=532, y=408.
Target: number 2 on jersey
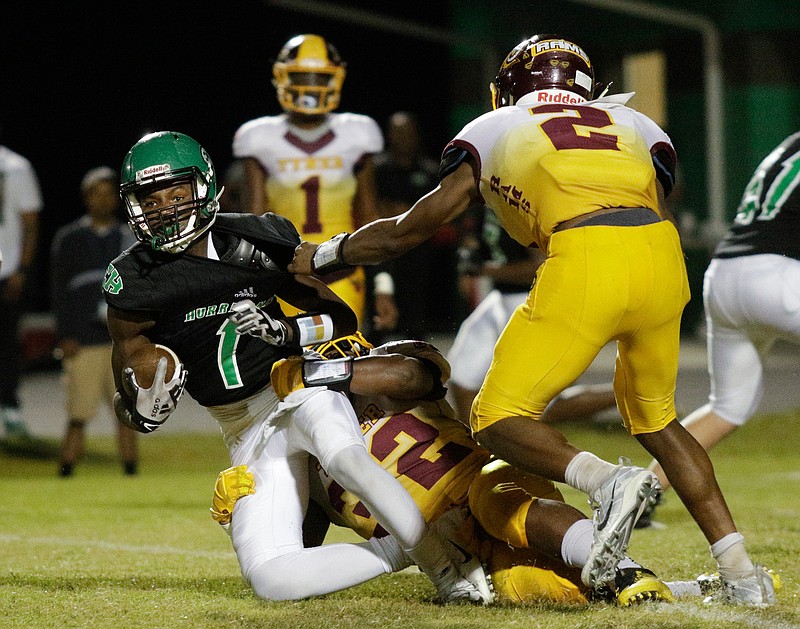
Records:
x=408, y=439
x=563, y=132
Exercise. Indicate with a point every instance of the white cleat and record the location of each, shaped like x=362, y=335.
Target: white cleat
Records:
x=754, y=590
x=469, y=565
x=617, y=505
x=455, y=589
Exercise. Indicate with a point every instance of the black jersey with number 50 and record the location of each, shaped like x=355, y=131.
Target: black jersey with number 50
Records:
x=768, y=217
x=189, y=299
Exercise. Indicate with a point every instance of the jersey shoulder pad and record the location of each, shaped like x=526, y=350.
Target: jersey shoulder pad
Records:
x=360, y=129
x=267, y=226
x=126, y=285
x=270, y=233
x=486, y=124
x=255, y=134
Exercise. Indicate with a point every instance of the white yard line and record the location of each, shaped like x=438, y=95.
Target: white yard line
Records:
x=151, y=550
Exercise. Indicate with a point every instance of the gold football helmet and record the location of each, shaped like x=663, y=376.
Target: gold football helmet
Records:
x=353, y=345
x=308, y=75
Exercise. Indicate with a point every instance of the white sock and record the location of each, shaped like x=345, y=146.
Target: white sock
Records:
x=391, y=555
x=577, y=542
x=684, y=589
x=731, y=556
x=587, y=472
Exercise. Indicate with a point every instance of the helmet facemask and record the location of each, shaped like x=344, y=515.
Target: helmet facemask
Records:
x=354, y=345
x=309, y=93
x=174, y=227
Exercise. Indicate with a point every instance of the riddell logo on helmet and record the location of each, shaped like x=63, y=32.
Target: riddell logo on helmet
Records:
x=152, y=171
x=558, y=96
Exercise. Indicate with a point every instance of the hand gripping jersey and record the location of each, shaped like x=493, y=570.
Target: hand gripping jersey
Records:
x=311, y=183
x=544, y=163
x=189, y=298
x=768, y=217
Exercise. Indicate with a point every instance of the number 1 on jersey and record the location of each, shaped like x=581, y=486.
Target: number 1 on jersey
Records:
x=311, y=189
x=226, y=355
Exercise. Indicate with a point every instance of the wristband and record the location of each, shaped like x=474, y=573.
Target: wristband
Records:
x=335, y=374
x=313, y=329
x=328, y=257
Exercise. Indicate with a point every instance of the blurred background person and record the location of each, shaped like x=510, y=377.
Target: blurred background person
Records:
x=80, y=254
x=424, y=277
x=309, y=164
x=20, y=205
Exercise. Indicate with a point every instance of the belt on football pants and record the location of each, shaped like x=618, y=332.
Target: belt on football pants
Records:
x=619, y=217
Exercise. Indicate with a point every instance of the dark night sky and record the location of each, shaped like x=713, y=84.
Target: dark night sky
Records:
x=80, y=88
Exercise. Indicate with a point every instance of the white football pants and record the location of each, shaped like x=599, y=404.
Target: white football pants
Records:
x=266, y=527
x=473, y=347
x=750, y=302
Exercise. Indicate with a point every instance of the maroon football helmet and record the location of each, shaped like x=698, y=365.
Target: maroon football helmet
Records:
x=539, y=63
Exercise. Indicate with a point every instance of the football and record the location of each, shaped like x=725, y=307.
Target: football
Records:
x=144, y=363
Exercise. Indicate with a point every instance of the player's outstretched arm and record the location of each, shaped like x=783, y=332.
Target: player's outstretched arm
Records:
x=391, y=375
x=389, y=237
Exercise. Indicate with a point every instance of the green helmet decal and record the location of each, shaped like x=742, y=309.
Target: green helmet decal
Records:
x=163, y=160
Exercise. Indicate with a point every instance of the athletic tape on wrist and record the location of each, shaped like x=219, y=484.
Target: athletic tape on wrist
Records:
x=314, y=329
x=328, y=256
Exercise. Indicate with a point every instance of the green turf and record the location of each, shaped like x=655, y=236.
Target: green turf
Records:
x=104, y=550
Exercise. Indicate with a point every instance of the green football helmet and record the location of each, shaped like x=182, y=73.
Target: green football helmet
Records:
x=162, y=160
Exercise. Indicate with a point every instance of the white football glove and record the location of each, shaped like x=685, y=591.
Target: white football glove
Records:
x=152, y=406
x=250, y=319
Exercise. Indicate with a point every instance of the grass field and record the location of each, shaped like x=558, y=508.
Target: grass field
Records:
x=104, y=550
